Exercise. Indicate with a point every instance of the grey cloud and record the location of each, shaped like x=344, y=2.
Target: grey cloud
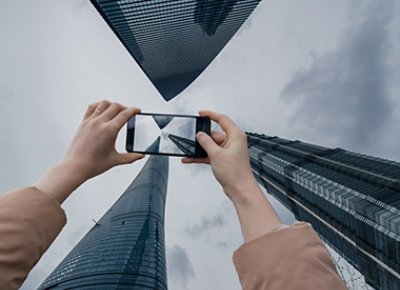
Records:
x=222, y=245
x=343, y=94
x=180, y=269
x=206, y=224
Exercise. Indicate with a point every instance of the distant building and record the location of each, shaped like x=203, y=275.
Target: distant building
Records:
x=187, y=146
x=154, y=147
x=174, y=41
x=125, y=248
x=352, y=200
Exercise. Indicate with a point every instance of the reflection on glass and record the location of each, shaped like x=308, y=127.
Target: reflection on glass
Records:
x=210, y=14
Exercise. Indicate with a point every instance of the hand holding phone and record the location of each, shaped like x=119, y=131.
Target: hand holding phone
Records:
x=166, y=134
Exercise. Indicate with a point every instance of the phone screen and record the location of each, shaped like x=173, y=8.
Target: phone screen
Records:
x=166, y=134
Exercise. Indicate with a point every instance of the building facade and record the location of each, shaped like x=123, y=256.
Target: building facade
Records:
x=155, y=146
x=187, y=146
x=125, y=249
x=352, y=200
x=174, y=41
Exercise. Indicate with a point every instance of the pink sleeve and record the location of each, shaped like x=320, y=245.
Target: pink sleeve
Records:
x=288, y=257
x=29, y=222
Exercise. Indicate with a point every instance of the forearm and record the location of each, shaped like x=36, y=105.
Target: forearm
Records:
x=60, y=181
x=256, y=215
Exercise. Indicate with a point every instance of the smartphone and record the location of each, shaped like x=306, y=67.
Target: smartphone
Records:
x=166, y=134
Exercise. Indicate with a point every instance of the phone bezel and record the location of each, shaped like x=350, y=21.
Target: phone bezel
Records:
x=202, y=124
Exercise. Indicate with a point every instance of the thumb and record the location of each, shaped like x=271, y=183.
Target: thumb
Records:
x=126, y=158
x=207, y=143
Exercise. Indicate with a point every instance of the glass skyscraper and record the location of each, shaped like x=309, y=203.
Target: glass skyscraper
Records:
x=125, y=249
x=187, y=146
x=352, y=200
x=174, y=41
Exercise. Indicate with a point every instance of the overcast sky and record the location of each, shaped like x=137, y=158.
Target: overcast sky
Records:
x=326, y=72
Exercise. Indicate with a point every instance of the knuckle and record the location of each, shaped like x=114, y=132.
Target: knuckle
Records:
x=114, y=105
x=92, y=106
x=118, y=105
x=105, y=102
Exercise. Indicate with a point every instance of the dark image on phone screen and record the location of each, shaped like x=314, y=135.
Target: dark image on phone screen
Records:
x=165, y=134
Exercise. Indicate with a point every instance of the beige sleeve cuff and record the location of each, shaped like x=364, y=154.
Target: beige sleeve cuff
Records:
x=287, y=257
x=30, y=220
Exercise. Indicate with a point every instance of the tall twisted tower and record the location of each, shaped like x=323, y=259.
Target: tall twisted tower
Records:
x=352, y=200
x=125, y=249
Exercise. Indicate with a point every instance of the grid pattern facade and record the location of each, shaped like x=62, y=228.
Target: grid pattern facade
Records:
x=125, y=249
x=352, y=200
x=174, y=41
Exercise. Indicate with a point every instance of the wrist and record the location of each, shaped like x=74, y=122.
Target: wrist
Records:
x=76, y=169
x=60, y=181
x=244, y=191
x=256, y=215
x=73, y=171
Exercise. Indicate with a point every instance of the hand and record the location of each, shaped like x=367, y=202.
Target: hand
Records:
x=227, y=155
x=92, y=150
x=229, y=160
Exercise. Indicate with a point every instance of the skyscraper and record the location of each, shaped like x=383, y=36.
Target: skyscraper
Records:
x=187, y=146
x=352, y=200
x=155, y=146
x=125, y=249
x=174, y=41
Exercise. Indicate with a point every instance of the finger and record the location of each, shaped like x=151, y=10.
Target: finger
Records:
x=101, y=107
x=223, y=120
x=124, y=116
x=188, y=160
x=207, y=143
x=111, y=112
x=90, y=109
x=218, y=137
x=127, y=158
